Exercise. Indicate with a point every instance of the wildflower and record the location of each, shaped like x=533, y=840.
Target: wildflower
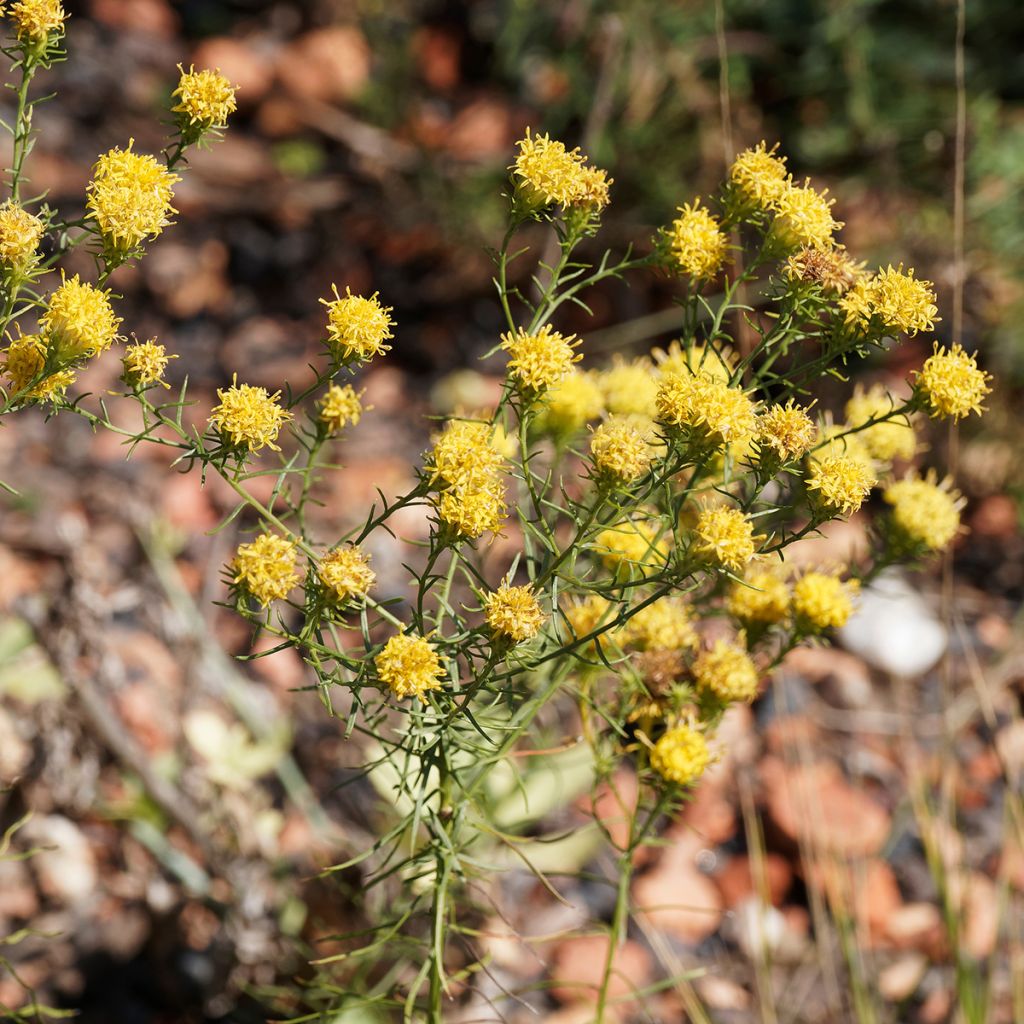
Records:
x=630, y=544
x=20, y=232
x=787, y=430
x=727, y=672
x=144, y=364
x=665, y=624
x=409, y=666
x=248, y=417
x=951, y=382
x=696, y=244
x=840, y=483
x=357, y=327
x=725, y=537
x=803, y=217
x=514, y=612
x=594, y=611
x=542, y=360
x=572, y=403
x=24, y=361
x=463, y=451
x=340, y=406
x=759, y=175
x=718, y=413
x=620, y=450
x=830, y=268
x=823, y=601
x=924, y=513
x=887, y=439
x=895, y=300
x=629, y=388
x=130, y=196
x=681, y=755
x=718, y=363
x=474, y=506
x=265, y=568
x=35, y=20
x=762, y=597
x=206, y=99
x=80, y=320
x=549, y=174
x=345, y=574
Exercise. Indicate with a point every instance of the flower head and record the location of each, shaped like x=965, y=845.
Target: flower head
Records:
x=952, y=384
x=572, y=403
x=357, y=327
x=924, y=513
x=830, y=268
x=629, y=388
x=514, y=612
x=725, y=537
x=892, y=300
x=887, y=439
x=144, y=364
x=265, y=568
x=594, y=611
x=409, y=666
x=759, y=175
x=25, y=360
x=681, y=754
x=463, y=451
x=35, y=20
x=130, y=197
x=664, y=625
x=80, y=320
x=205, y=100
x=803, y=216
x=345, y=574
x=550, y=174
x=718, y=362
x=727, y=672
x=248, y=417
x=621, y=451
x=540, y=361
x=761, y=598
x=840, y=483
x=340, y=406
x=787, y=430
x=718, y=413
x=633, y=545
x=20, y=232
x=821, y=600
x=474, y=506
x=695, y=242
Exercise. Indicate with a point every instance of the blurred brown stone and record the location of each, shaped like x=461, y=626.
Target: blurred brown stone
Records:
x=328, y=64
x=578, y=969
x=248, y=65
x=737, y=879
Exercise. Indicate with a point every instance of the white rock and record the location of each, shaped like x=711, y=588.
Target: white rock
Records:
x=894, y=629
x=64, y=862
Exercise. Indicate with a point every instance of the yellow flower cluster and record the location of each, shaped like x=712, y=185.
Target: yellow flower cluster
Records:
x=787, y=430
x=25, y=360
x=727, y=672
x=35, y=20
x=664, y=625
x=803, y=216
x=681, y=754
x=951, y=382
x=895, y=300
x=357, y=327
x=144, y=364
x=718, y=363
x=206, y=99
x=821, y=600
x=340, y=406
x=345, y=574
x=718, y=413
x=541, y=360
x=696, y=244
x=130, y=198
x=629, y=388
x=467, y=463
x=840, y=483
x=409, y=666
x=633, y=544
x=725, y=537
x=888, y=439
x=550, y=174
x=265, y=568
x=830, y=268
x=621, y=451
x=79, y=320
x=514, y=612
x=248, y=417
x=20, y=232
x=762, y=598
x=759, y=175
x=924, y=512
x=572, y=403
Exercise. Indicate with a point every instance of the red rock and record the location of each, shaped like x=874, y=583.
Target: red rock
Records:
x=578, y=969
x=482, y=130
x=981, y=916
x=248, y=65
x=328, y=64
x=680, y=901
x=737, y=882
x=899, y=981
x=438, y=53
x=709, y=816
x=613, y=805
x=915, y=926
x=996, y=516
x=876, y=897
x=152, y=17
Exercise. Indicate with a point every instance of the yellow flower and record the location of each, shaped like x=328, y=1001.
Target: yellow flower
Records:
x=895, y=300
x=340, y=406
x=474, y=506
x=717, y=412
x=346, y=574
x=696, y=243
x=589, y=614
x=629, y=388
x=718, y=363
x=923, y=512
x=20, y=232
x=79, y=320
x=804, y=216
x=630, y=544
x=464, y=451
x=665, y=624
x=727, y=672
x=550, y=174
x=620, y=450
x=787, y=430
x=514, y=612
x=761, y=598
x=206, y=99
x=144, y=364
x=130, y=197
x=571, y=404
x=542, y=360
x=760, y=175
x=357, y=326
x=248, y=417
x=951, y=382
x=409, y=666
x=35, y=20
x=889, y=439
x=823, y=601
x=831, y=268
x=840, y=483
x=725, y=537
x=681, y=755
x=24, y=360
x=265, y=568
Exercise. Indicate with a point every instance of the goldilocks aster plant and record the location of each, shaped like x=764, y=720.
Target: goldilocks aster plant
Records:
x=650, y=501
